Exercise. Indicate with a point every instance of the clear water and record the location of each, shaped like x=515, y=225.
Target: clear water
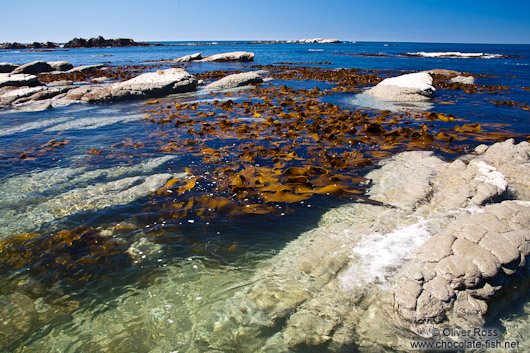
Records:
x=158, y=280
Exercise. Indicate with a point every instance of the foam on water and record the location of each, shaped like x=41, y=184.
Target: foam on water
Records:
x=378, y=256
x=456, y=54
x=370, y=101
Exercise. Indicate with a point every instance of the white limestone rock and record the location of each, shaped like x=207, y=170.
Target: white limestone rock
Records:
x=148, y=85
x=404, y=180
x=415, y=87
x=187, y=58
x=19, y=80
x=231, y=56
x=468, y=80
x=32, y=94
x=14, y=95
x=236, y=80
x=516, y=168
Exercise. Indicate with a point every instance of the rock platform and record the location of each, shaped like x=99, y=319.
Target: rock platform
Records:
x=451, y=237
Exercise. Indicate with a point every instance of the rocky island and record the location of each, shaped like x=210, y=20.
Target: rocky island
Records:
x=96, y=42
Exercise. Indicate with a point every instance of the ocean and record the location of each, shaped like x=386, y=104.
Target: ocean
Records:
x=125, y=227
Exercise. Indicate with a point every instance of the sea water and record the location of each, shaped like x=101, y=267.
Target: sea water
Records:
x=155, y=289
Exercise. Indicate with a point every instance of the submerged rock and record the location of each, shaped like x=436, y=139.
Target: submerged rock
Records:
x=21, y=316
x=232, y=56
x=19, y=319
x=33, y=199
x=236, y=80
x=405, y=88
x=35, y=67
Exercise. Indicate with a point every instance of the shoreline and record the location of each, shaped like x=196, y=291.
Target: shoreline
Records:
x=278, y=142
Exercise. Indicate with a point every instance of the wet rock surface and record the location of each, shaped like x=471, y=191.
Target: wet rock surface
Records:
x=236, y=80
x=147, y=85
x=450, y=242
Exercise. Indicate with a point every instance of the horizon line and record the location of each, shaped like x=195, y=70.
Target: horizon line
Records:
x=278, y=40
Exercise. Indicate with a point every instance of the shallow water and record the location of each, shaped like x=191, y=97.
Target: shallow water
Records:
x=138, y=276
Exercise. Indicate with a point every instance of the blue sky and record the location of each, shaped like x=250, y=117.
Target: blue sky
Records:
x=463, y=21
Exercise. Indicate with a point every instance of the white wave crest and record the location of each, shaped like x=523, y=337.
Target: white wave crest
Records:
x=455, y=54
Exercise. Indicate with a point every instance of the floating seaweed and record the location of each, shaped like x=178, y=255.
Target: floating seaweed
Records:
x=443, y=82
x=280, y=146
x=512, y=103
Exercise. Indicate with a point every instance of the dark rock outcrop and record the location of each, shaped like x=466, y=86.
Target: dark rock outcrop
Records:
x=34, y=45
x=7, y=67
x=100, y=42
